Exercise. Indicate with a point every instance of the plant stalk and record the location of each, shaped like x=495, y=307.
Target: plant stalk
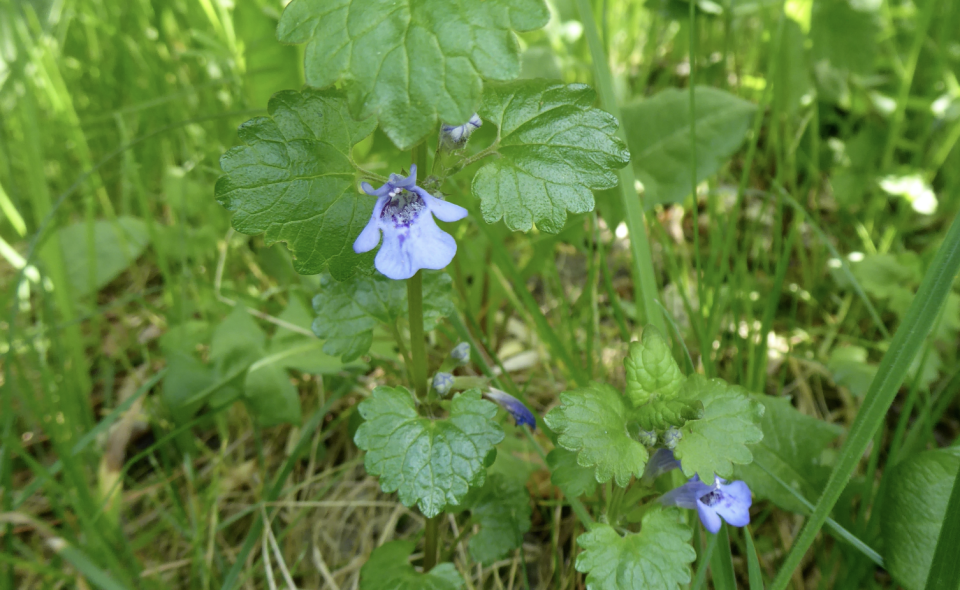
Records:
x=430, y=543
x=418, y=349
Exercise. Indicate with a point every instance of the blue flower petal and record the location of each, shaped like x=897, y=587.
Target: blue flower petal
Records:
x=520, y=413
x=660, y=462
x=687, y=495
x=411, y=239
x=709, y=517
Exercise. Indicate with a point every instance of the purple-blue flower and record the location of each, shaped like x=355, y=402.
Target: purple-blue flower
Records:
x=516, y=408
x=660, y=462
x=461, y=353
x=455, y=137
x=442, y=382
x=730, y=501
x=411, y=239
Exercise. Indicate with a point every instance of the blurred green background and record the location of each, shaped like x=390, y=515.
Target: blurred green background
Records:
x=828, y=170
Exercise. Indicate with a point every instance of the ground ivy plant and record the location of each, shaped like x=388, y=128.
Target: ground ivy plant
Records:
x=430, y=73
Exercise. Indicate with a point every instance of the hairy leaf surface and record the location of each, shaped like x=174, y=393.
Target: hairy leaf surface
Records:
x=412, y=63
x=293, y=181
x=430, y=463
x=555, y=148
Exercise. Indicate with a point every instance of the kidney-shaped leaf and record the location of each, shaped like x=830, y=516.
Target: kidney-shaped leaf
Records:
x=294, y=181
x=554, y=147
x=410, y=62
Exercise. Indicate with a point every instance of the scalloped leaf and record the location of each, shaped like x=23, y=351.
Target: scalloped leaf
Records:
x=502, y=509
x=348, y=311
x=659, y=556
x=293, y=180
x=731, y=422
x=389, y=569
x=592, y=421
x=412, y=63
x=430, y=463
x=555, y=148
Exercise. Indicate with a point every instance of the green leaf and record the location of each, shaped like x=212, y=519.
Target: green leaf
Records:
x=792, y=448
x=270, y=396
x=658, y=133
x=411, y=63
x=660, y=415
x=185, y=377
x=117, y=244
x=914, y=507
x=849, y=368
x=844, y=36
x=294, y=350
x=431, y=463
x=731, y=421
x=389, y=569
x=565, y=473
x=555, y=149
x=347, y=312
x=237, y=341
x=502, y=509
x=294, y=181
x=652, y=373
x=593, y=421
x=907, y=342
x=659, y=556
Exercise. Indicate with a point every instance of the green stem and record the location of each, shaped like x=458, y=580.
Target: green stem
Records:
x=430, y=543
x=418, y=349
x=644, y=278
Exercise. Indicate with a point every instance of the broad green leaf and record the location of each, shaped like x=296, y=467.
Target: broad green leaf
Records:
x=914, y=507
x=502, y=509
x=652, y=373
x=554, y=149
x=658, y=133
x=792, y=448
x=592, y=421
x=659, y=556
x=294, y=350
x=237, y=341
x=270, y=396
x=430, y=463
x=117, y=244
x=844, y=36
x=849, y=368
x=347, y=312
x=186, y=376
x=412, y=63
x=568, y=475
x=294, y=181
x=730, y=422
x=389, y=569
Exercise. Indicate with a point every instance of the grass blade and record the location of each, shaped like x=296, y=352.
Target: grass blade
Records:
x=945, y=569
x=644, y=278
x=906, y=344
x=753, y=562
x=721, y=563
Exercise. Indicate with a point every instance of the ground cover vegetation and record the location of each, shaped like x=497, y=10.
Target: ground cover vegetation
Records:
x=507, y=294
